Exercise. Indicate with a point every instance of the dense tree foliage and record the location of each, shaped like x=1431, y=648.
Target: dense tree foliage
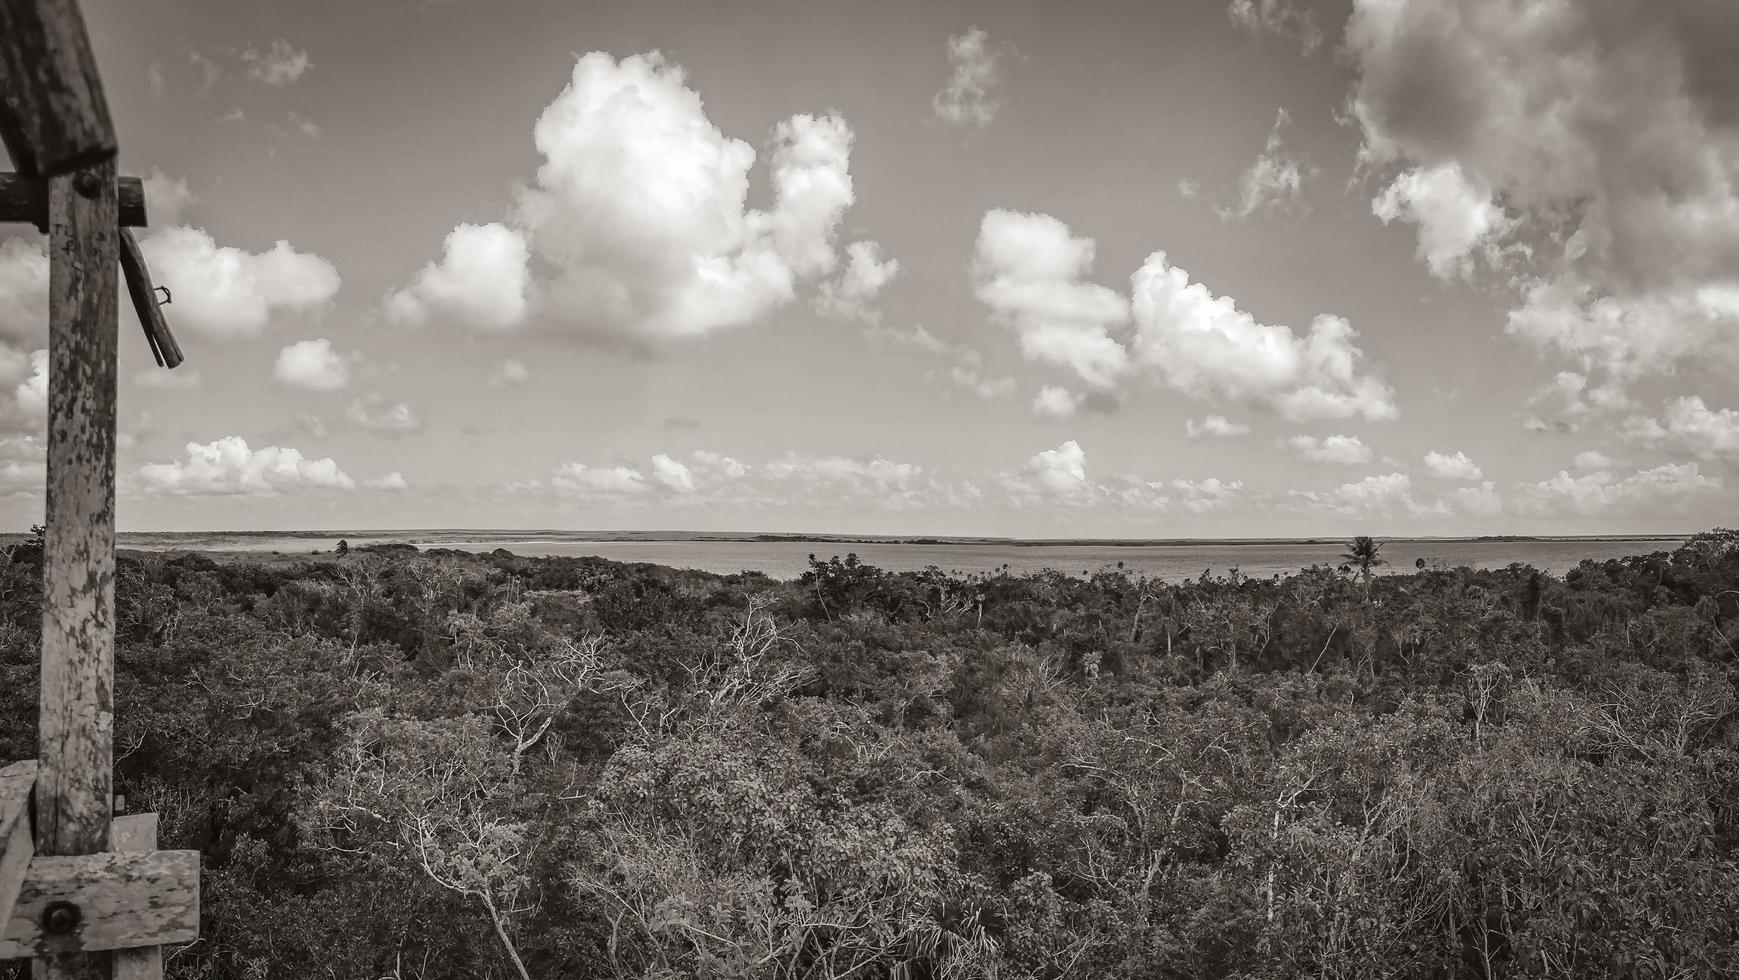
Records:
x=433, y=765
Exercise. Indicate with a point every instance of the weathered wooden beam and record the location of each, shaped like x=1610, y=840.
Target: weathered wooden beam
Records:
x=24, y=198
x=157, y=333
x=16, y=848
x=76, y=730
x=134, y=834
x=48, y=77
x=124, y=901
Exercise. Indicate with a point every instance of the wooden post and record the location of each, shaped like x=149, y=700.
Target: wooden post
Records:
x=73, y=789
x=59, y=117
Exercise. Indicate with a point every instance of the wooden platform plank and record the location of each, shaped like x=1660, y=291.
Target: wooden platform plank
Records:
x=125, y=901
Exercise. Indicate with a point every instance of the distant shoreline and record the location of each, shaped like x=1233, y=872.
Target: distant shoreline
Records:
x=447, y=537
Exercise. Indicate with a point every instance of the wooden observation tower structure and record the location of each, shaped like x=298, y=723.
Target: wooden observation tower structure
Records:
x=83, y=891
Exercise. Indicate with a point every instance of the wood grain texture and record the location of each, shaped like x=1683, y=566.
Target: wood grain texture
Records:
x=125, y=901
x=48, y=78
x=133, y=834
x=16, y=847
x=139, y=288
x=25, y=199
x=75, y=738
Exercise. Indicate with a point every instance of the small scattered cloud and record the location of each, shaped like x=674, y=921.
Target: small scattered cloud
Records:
x=1278, y=17
x=852, y=296
x=280, y=65
x=313, y=365
x=981, y=384
x=511, y=371
x=1452, y=467
x=1214, y=426
x=1593, y=459
x=374, y=413
x=966, y=99
x=1054, y=402
x=1333, y=450
x=209, y=74
x=302, y=124
x=391, y=482
x=1274, y=182
x=182, y=378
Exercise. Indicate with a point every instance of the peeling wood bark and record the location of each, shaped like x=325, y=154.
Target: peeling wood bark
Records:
x=134, y=834
x=48, y=77
x=126, y=901
x=24, y=198
x=74, y=783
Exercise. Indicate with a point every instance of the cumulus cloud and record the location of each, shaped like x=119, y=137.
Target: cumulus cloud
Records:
x=228, y=467
x=1454, y=217
x=281, y=64
x=1278, y=17
x=1053, y=402
x=1593, y=459
x=1059, y=472
x=1663, y=489
x=374, y=413
x=1031, y=273
x=965, y=99
x=166, y=198
x=1273, y=182
x=639, y=211
x=23, y=291
x=606, y=480
x=1372, y=498
x=1452, y=467
x=1217, y=426
x=1333, y=450
x=511, y=371
x=672, y=475
x=1479, y=501
x=224, y=292
x=312, y=364
x=32, y=393
x=1595, y=142
x=481, y=282
x=853, y=294
x=1688, y=425
x=1204, y=346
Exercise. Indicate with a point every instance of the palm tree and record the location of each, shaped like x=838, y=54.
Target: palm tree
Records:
x=1362, y=552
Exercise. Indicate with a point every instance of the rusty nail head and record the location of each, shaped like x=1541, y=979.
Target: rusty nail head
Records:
x=60, y=918
x=87, y=183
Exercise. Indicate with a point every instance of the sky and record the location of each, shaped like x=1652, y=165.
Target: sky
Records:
x=1195, y=269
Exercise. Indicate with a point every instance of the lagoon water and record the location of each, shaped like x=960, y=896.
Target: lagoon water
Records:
x=789, y=559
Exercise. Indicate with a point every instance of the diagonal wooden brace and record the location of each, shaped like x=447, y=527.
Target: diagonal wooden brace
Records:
x=120, y=900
